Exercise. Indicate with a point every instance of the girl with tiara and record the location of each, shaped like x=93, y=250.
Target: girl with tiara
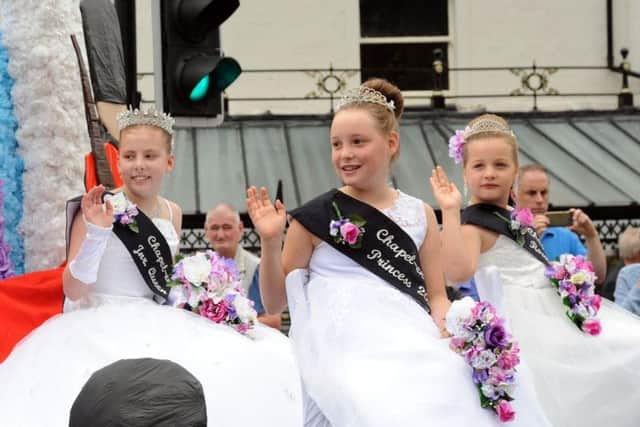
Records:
x=580, y=379
x=111, y=281
x=365, y=287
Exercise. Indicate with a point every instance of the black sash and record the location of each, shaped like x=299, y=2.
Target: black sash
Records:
x=150, y=251
x=148, y=248
x=497, y=219
x=387, y=250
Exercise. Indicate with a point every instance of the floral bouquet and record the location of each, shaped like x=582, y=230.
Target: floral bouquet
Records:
x=574, y=279
x=520, y=222
x=479, y=335
x=209, y=285
x=124, y=211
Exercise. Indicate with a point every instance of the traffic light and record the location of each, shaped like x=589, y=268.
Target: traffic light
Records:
x=194, y=69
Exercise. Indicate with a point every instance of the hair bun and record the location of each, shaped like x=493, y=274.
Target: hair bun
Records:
x=390, y=91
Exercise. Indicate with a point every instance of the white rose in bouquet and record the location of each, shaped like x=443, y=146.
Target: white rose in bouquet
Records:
x=197, y=269
x=459, y=311
x=244, y=309
x=118, y=202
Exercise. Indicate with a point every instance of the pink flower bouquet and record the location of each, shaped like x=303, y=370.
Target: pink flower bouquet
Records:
x=209, y=285
x=479, y=335
x=574, y=278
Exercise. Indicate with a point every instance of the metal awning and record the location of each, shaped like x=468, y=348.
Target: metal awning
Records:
x=593, y=158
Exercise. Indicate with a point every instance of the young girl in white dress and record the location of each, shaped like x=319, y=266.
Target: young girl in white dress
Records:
x=111, y=313
x=581, y=380
x=367, y=330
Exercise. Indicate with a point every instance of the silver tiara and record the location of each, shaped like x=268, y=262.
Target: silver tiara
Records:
x=362, y=95
x=484, y=126
x=151, y=117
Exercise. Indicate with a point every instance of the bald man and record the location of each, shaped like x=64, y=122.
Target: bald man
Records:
x=223, y=230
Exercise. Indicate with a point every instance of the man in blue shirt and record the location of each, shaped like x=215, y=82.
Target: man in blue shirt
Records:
x=533, y=193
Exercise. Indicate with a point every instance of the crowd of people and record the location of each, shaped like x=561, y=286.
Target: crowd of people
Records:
x=363, y=271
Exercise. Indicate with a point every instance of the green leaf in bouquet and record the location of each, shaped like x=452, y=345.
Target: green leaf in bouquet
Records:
x=357, y=220
x=485, y=402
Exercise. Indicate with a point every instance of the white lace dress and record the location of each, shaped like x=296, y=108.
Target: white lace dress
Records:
x=371, y=356
x=246, y=381
x=581, y=380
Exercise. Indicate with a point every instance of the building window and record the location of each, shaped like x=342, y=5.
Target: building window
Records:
x=398, y=40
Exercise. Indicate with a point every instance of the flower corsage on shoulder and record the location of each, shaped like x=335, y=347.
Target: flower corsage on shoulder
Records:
x=347, y=230
x=209, y=285
x=479, y=335
x=124, y=211
x=574, y=279
x=520, y=223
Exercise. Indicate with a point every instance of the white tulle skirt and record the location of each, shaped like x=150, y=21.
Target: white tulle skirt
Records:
x=246, y=381
x=581, y=380
x=370, y=356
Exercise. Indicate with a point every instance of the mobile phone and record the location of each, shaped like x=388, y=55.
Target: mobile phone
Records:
x=560, y=218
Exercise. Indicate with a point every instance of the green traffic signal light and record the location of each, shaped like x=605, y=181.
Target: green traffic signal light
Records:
x=200, y=90
x=225, y=71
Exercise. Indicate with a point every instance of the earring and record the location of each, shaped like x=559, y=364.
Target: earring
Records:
x=465, y=190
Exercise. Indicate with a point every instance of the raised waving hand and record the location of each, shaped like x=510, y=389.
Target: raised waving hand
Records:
x=445, y=192
x=93, y=210
x=268, y=219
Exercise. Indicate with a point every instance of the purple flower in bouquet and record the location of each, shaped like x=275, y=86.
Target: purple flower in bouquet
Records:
x=480, y=376
x=496, y=336
x=456, y=146
x=229, y=301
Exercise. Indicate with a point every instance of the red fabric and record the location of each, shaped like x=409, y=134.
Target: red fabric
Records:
x=25, y=303
x=90, y=176
x=111, y=153
x=90, y=173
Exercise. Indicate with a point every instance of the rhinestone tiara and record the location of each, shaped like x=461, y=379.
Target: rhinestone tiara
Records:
x=486, y=125
x=151, y=117
x=362, y=95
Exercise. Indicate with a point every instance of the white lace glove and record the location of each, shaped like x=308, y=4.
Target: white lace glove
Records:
x=85, y=265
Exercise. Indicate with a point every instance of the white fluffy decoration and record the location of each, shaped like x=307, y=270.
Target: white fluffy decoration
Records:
x=52, y=132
